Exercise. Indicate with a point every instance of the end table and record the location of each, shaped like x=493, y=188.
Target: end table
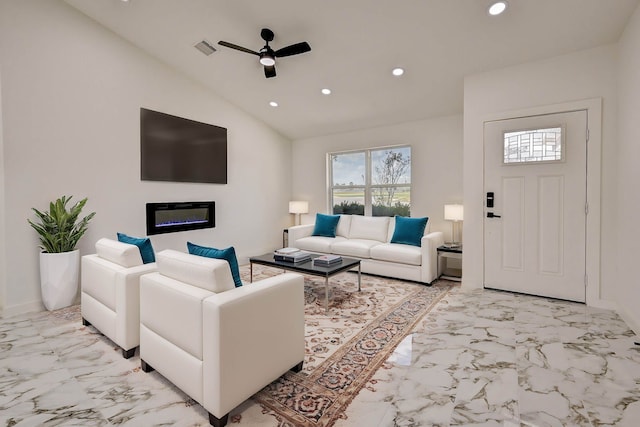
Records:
x=445, y=253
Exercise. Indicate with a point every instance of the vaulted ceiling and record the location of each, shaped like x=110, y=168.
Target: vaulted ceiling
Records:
x=355, y=45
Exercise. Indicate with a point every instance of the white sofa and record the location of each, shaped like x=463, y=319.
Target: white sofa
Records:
x=218, y=343
x=110, y=292
x=368, y=238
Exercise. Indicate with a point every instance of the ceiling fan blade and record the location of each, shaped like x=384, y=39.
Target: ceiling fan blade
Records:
x=269, y=71
x=236, y=47
x=294, y=49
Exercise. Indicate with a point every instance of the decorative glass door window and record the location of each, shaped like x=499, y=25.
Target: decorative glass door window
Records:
x=534, y=145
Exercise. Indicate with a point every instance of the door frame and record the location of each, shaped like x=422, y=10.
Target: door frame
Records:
x=593, y=108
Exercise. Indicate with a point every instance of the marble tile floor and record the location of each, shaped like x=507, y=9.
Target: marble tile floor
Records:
x=480, y=358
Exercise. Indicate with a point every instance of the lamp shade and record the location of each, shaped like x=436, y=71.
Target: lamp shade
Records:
x=298, y=207
x=453, y=212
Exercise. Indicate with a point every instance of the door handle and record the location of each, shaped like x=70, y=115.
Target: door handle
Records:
x=492, y=215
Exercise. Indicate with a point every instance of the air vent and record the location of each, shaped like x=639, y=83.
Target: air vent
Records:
x=205, y=47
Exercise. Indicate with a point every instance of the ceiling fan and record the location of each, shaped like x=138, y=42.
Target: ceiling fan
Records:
x=267, y=55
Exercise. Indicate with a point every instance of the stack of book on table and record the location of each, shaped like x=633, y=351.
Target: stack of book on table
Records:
x=327, y=260
x=291, y=255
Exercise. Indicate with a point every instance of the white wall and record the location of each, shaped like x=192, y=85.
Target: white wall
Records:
x=70, y=104
x=3, y=268
x=627, y=287
x=436, y=149
x=576, y=76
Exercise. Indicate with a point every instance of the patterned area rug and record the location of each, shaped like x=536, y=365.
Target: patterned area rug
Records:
x=346, y=346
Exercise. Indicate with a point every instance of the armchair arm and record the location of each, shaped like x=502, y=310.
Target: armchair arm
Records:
x=253, y=334
x=110, y=296
x=429, y=244
x=171, y=330
x=298, y=232
x=127, y=283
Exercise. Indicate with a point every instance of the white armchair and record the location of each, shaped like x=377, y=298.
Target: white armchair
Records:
x=218, y=343
x=110, y=292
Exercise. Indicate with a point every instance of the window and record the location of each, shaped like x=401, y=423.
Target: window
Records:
x=373, y=182
x=538, y=145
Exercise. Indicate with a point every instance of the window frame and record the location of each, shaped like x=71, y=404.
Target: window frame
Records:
x=368, y=187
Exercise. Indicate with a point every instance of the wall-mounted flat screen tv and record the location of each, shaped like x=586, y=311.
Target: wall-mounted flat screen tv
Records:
x=181, y=150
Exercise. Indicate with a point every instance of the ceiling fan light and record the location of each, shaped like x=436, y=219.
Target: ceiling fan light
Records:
x=267, y=60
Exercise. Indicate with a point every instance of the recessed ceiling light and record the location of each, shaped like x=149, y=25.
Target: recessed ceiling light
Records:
x=273, y=103
x=497, y=8
x=326, y=91
x=397, y=71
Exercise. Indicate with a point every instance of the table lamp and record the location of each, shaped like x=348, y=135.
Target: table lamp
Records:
x=298, y=207
x=454, y=213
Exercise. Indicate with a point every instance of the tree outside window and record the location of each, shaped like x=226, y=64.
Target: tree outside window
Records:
x=374, y=182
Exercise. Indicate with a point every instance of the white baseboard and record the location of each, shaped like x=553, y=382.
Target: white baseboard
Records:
x=604, y=304
x=468, y=284
x=630, y=319
x=29, y=307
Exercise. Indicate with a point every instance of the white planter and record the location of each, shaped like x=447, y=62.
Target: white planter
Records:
x=59, y=278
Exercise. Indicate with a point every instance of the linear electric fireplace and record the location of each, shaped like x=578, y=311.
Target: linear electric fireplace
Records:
x=180, y=216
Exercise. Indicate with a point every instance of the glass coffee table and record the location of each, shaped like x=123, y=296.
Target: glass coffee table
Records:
x=307, y=267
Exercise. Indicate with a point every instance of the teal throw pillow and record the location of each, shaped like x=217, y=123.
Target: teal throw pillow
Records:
x=326, y=225
x=409, y=231
x=228, y=254
x=143, y=244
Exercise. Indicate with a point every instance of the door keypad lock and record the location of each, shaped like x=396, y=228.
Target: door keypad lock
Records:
x=490, y=199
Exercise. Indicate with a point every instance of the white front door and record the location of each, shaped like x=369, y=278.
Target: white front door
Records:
x=534, y=236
